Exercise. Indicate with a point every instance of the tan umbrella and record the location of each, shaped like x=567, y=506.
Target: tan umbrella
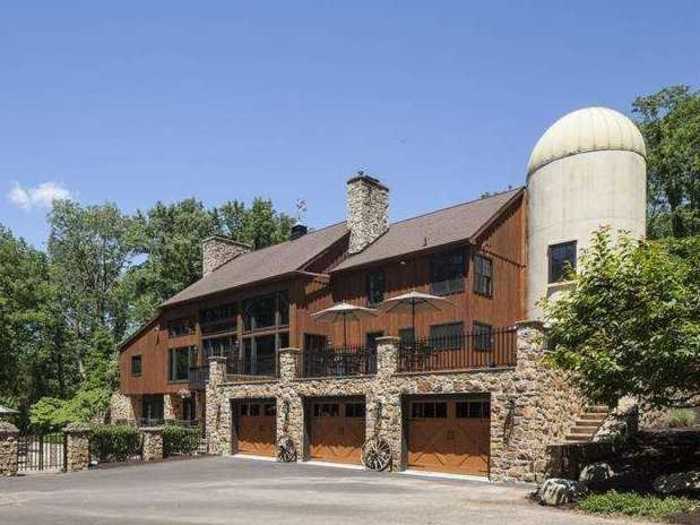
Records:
x=344, y=311
x=414, y=302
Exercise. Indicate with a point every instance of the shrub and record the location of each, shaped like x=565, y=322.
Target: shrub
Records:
x=633, y=504
x=681, y=418
x=179, y=440
x=114, y=442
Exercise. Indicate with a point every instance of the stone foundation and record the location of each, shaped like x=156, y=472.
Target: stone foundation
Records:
x=8, y=449
x=532, y=406
x=77, y=447
x=122, y=408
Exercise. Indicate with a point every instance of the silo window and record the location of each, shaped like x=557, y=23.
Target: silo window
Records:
x=562, y=260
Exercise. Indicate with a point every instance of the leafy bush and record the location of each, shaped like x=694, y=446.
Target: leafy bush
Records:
x=633, y=504
x=681, y=418
x=179, y=440
x=50, y=414
x=114, y=442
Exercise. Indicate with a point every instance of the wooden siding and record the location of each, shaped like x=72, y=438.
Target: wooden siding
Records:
x=503, y=243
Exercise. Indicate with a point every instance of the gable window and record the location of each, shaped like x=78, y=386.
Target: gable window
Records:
x=375, y=287
x=483, y=275
x=180, y=327
x=562, y=259
x=136, y=366
x=447, y=273
x=179, y=362
x=483, y=336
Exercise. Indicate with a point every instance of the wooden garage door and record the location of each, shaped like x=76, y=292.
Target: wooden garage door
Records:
x=337, y=430
x=257, y=427
x=449, y=435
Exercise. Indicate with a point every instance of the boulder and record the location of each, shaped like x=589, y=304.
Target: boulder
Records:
x=596, y=473
x=557, y=491
x=678, y=482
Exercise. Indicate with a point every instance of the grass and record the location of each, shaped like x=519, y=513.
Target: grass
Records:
x=633, y=504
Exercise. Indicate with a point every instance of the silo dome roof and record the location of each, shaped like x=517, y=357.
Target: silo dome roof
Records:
x=586, y=130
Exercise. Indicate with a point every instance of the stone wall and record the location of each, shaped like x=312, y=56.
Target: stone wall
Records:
x=532, y=406
x=8, y=449
x=152, y=443
x=367, y=211
x=172, y=406
x=77, y=447
x=218, y=250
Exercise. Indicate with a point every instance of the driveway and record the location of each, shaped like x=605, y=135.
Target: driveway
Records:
x=236, y=490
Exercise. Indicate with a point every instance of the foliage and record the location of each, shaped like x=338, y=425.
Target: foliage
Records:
x=631, y=323
x=114, y=442
x=179, y=440
x=633, y=504
x=681, y=418
x=670, y=123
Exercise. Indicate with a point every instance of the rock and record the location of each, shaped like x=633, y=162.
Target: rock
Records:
x=678, y=482
x=556, y=491
x=596, y=473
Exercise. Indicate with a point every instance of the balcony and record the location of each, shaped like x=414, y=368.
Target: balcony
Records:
x=493, y=349
x=338, y=362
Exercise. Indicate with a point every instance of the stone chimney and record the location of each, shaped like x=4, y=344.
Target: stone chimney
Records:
x=218, y=250
x=368, y=211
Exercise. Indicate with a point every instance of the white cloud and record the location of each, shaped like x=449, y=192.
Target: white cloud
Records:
x=41, y=196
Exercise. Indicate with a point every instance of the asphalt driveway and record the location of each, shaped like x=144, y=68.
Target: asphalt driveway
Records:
x=232, y=490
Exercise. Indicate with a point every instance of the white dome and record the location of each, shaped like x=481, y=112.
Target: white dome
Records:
x=583, y=131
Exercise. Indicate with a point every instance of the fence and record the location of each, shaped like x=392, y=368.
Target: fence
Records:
x=41, y=452
x=339, y=362
x=487, y=349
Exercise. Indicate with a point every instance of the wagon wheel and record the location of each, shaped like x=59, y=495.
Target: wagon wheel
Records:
x=376, y=454
x=286, y=451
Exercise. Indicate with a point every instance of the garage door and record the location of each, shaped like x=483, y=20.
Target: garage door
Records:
x=449, y=435
x=256, y=427
x=337, y=429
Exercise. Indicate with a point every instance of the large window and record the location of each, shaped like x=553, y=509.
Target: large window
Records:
x=179, y=362
x=266, y=311
x=447, y=273
x=562, y=259
x=375, y=287
x=180, y=327
x=483, y=275
x=136, y=366
x=218, y=319
x=219, y=346
x=407, y=336
x=483, y=336
x=446, y=336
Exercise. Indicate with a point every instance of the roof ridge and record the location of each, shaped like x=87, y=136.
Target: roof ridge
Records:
x=473, y=201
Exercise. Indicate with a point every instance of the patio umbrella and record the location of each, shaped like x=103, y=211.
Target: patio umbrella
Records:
x=344, y=311
x=413, y=302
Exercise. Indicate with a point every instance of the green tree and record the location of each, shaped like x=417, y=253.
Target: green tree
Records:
x=631, y=323
x=260, y=225
x=670, y=123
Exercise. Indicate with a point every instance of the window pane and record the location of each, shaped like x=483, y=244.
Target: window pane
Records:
x=270, y=409
x=407, y=337
x=562, y=258
x=375, y=287
x=446, y=336
x=483, y=275
x=254, y=409
x=447, y=273
x=462, y=409
x=483, y=336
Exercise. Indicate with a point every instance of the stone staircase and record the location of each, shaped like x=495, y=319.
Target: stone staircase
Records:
x=203, y=448
x=587, y=424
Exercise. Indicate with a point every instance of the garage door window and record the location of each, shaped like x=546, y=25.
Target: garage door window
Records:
x=354, y=410
x=270, y=409
x=326, y=410
x=429, y=409
x=474, y=409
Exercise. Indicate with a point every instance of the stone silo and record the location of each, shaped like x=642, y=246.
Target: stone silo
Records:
x=586, y=171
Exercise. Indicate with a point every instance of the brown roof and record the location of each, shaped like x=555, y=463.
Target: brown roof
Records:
x=442, y=227
x=266, y=263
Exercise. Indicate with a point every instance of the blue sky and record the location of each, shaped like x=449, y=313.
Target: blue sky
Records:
x=134, y=102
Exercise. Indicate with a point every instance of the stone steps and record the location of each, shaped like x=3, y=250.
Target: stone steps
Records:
x=587, y=424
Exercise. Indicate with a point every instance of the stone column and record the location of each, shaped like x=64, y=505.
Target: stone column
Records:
x=8, y=449
x=152, y=443
x=77, y=447
x=386, y=395
x=214, y=402
x=289, y=363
